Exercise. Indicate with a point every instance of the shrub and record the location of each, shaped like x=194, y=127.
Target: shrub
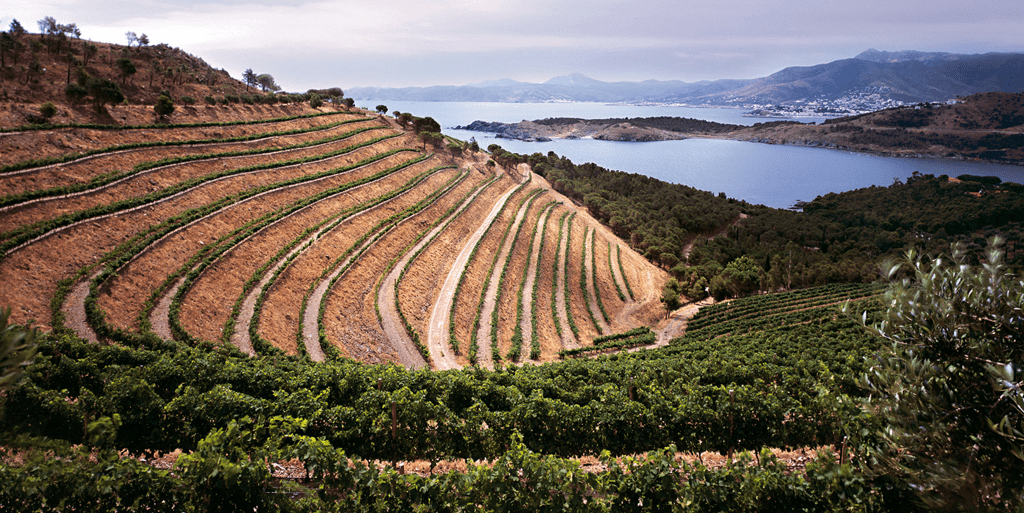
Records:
x=210, y=100
x=315, y=101
x=164, y=106
x=949, y=395
x=47, y=110
x=188, y=100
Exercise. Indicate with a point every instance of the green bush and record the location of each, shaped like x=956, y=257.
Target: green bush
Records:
x=47, y=110
x=164, y=106
x=949, y=395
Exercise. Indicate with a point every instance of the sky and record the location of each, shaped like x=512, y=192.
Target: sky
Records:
x=398, y=43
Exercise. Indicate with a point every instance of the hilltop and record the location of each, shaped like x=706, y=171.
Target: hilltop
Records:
x=55, y=68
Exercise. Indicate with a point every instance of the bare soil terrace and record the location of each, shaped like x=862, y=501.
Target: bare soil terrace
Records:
x=169, y=176
x=205, y=310
x=32, y=271
x=279, y=322
x=123, y=296
x=350, y=319
x=420, y=288
x=83, y=169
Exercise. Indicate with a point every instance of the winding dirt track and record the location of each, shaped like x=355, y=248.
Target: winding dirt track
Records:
x=441, y=354
x=74, y=310
x=588, y=252
x=393, y=326
x=568, y=340
x=526, y=323
x=485, y=358
x=310, y=320
x=617, y=273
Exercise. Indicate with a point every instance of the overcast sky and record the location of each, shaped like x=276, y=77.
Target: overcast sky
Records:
x=313, y=44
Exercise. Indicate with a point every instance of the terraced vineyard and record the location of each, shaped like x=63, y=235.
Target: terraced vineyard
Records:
x=798, y=333
x=326, y=234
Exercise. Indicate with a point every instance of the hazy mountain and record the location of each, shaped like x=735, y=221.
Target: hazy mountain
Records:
x=907, y=76
x=904, y=76
x=574, y=87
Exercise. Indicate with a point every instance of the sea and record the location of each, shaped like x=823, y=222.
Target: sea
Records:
x=777, y=176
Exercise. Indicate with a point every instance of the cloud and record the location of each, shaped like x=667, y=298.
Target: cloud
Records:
x=402, y=42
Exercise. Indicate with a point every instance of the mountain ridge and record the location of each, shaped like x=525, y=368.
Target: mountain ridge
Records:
x=908, y=76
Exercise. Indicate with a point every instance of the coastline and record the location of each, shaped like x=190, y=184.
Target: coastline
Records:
x=772, y=133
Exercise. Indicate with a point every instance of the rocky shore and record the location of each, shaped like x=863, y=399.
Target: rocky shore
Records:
x=533, y=131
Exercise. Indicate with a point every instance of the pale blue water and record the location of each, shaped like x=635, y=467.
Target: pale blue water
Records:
x=773, y=175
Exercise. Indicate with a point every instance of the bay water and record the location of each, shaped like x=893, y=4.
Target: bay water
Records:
x=773, y=175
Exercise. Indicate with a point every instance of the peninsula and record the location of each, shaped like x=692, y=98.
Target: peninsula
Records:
x=987, y=126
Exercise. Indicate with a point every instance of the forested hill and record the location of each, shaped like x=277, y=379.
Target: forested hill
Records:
x=735, y=248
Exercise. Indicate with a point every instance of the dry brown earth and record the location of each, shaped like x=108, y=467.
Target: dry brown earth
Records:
x=279, y=321
x=421, y=287
x=205, y=311
x=550, y=341
x=84, y=169
x=477, y=274
x=18, y=146
x=123, y=296
x=350, y=318
x=146, y=183
x=508, y=305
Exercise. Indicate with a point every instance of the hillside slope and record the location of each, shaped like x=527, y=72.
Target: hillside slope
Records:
x=335, y=227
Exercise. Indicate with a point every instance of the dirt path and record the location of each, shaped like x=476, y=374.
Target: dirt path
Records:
x=568, y=340
x=526, y=323
x=588, y=261
x=437, y=335
x=675, y=324
x=620, y=282
x=393, y=327
x=160, y=318
x=485, y=358
x=310, y=319
x=74, y=310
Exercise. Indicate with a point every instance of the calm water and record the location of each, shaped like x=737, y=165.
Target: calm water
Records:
x=772, y=175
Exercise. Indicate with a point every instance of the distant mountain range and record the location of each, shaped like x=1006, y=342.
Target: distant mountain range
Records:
x=907, y=76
